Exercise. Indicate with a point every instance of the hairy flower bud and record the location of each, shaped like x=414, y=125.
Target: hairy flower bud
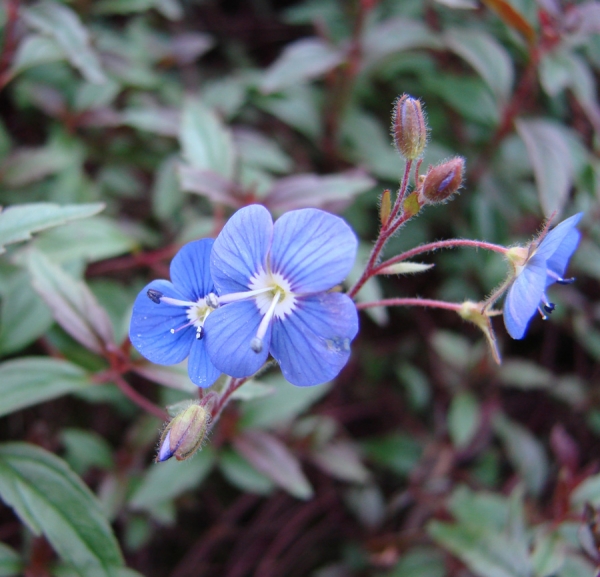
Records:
x=442, y=181
x=409, y=128
x=184, y=435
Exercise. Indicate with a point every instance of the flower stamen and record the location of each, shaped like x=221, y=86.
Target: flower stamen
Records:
x=256, y=344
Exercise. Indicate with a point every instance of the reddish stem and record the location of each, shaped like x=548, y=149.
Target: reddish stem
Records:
x=8, y=48
x=437, y=245
x=138, y=398
x=233, y=386
x=410, y=302
x=387, y=230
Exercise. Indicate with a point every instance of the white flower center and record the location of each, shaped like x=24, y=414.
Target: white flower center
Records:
x=276, y=285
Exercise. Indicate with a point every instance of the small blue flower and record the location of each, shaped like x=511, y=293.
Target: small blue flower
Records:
x=168, y=318
x=537, y=267
x=272, y=282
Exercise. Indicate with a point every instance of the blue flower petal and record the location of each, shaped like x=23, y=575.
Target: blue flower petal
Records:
x=228, y=333
x=312, y=344
x=313, y=249
x=151, y=323
x=190, y=269
x=200, y=368
x=558, y=262
x=556, y=236
x=240, y=251
x=524, y=296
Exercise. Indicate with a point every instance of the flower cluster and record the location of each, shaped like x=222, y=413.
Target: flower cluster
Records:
x=258, y=289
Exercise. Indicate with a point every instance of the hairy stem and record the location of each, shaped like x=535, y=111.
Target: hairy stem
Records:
x=452, y=243
x=410, y=302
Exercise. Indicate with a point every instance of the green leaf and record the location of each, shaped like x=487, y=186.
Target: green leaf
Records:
x=252, y=390
x=341, y=460
x=63, y=25
x=242, y=474
x=166, y=481
x=96, y=238
x=486, y=56
x=400, y=452
x=298, y=107
x=420, y=562
x=397, y=35
x=73, y=305
x=286, y=403
x=85, y=449
x=463, y=419
x=525, y=375
x=550, y=158
x=525, y=451
x=300, y=61
x=206, y=143
x=167, y=195
x=486, y=554
x=272, y=458
x=34, y=50
x=50, y=499
x=24, y=317
x=19, y=222
x=588, y=491
x=30, y=380
x=11, y=564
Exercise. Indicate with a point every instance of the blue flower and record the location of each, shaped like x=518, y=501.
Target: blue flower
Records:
x=168, y=318
x=537, y=267
x=272, y=282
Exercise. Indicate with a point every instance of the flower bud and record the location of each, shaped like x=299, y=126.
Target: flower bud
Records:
x=442, y=181
x=184, y=435
x=409, y=128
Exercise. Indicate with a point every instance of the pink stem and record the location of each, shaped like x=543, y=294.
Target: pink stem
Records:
x=139, y=399
x=234, y=385
x=410, y=302
x=387, y=230
x=437, y=245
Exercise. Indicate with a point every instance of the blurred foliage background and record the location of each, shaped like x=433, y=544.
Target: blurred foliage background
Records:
x=129, y=127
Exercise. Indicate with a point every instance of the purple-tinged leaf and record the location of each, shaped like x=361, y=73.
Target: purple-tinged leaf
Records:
x=19, y=222
x=208, y=184
x=341, y=460
x=300, y=61
x=550, y=158
x=489, y=58
x=272, y=458
x=73, y=305
x=312, y=190
x=397, y=35
x=205, y=141
x=163, y=121
x=63, y=25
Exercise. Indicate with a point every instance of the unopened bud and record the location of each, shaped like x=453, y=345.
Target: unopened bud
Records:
x=409, y=128
x=184, y=435
x=442, y=181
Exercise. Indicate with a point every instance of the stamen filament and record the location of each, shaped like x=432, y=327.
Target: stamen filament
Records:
x=173, y=331
x=242, y=296
x=257, y=342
